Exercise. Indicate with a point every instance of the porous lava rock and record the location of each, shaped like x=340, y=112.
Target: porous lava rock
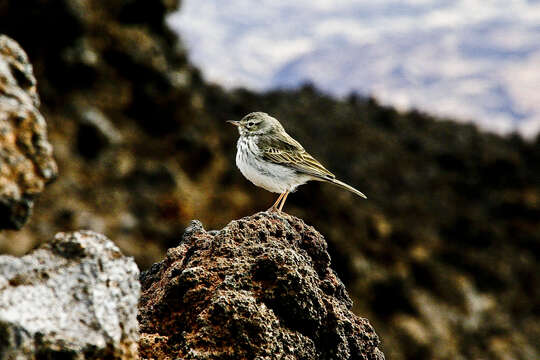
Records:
x=26, y=162
x=75, y=297
x=261, y=288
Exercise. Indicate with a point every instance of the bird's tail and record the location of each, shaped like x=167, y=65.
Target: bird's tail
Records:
x=345, y=186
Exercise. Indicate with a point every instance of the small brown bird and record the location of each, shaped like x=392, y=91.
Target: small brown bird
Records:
x=270, y=158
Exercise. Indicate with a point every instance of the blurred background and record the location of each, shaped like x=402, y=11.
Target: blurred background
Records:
x=472, y=60
x=431, y=108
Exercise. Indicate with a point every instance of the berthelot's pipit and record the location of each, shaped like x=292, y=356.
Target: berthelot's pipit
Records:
x=270, y=158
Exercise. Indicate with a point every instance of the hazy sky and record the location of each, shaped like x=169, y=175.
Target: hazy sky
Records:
x=475, y=60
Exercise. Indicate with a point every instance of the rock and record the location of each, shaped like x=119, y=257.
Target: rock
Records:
x=261, y=288
x=75, y=297
x=26, y=162
x=96, y=132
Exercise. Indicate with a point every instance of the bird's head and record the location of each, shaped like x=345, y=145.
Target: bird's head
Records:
x=256, y=123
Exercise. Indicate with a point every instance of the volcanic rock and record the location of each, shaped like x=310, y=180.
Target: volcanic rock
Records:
x=75, y=297
x=26, y=162
x=261, y=288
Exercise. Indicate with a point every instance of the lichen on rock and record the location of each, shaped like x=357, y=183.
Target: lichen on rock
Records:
x=261, y=288
x=75, y=297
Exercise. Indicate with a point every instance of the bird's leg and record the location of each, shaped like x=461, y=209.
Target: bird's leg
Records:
x=275, y=206
x=283, y=200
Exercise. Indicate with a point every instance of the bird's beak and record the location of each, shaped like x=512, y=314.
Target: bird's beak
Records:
x=235, y=123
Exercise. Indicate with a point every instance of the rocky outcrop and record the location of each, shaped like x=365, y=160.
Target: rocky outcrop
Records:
x=73, y=298
x=262, y=288
x=26, y=162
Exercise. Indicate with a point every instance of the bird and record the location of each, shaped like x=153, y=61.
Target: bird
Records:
x=271, y=159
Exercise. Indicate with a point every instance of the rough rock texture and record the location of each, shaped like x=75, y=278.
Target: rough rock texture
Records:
x=260, y=288
x=73, y=298
x=26, y=162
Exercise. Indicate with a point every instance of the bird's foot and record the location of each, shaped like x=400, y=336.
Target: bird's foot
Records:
x=273, y=209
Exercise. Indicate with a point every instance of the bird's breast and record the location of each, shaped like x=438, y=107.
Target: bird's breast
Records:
x=263, y=173
x=248, y=158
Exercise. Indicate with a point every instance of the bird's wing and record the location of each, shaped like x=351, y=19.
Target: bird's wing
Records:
x=282, y=149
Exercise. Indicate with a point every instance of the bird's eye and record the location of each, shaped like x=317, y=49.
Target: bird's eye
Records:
x=250, y=124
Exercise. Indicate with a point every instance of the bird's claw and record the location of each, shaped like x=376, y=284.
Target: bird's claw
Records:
x=273, y=209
